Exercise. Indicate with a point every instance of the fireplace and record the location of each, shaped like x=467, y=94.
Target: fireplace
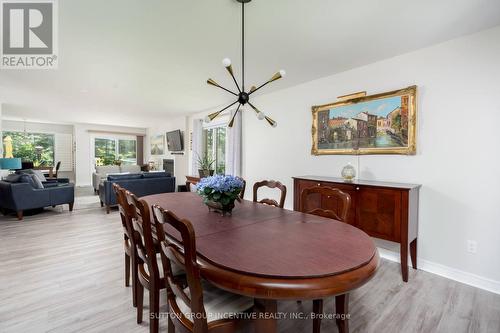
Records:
x=168, y=166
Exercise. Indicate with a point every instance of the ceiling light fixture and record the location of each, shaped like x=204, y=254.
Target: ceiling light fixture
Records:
x=243, y=97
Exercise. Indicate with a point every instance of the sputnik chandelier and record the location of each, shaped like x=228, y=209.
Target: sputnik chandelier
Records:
x=243, y=97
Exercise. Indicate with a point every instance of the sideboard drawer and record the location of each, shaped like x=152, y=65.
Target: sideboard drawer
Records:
x=379, y=212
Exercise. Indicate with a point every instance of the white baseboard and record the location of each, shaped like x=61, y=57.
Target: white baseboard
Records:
x=447, y=272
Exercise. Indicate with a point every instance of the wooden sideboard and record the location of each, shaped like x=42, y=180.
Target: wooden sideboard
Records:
x=381, y=209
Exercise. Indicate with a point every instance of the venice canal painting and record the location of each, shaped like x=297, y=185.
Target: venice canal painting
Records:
x=373, y=124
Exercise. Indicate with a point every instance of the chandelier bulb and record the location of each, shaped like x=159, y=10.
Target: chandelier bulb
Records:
x=226, y=62
x=207, y=119
x=261, y=116
x=275, y=124
x=282, y=73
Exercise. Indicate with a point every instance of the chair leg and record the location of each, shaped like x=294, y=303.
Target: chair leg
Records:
x=140, y=301
x=135, y=281
x=342, y=309
x=20, y=215
x=108, y=209
x=171, y=327
x=127, y=270
x=317, y=310
x=71, y=204
x=102, y=204
x=154, y=310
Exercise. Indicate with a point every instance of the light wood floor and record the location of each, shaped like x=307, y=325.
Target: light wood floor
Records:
x=62, y=272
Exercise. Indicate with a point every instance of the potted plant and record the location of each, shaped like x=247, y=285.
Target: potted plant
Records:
x=219, y=192
x=205, y=164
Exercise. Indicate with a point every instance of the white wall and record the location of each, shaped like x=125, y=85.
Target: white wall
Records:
x=84, y=155
x=181, y=161
x=458, y=139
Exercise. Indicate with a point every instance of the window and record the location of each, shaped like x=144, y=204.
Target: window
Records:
x=215, y=144
x=127, y=151
x=32, y=147
x=109, y=150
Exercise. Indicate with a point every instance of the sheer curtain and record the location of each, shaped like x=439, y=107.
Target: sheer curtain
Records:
x=233, y=147
x=197, y=145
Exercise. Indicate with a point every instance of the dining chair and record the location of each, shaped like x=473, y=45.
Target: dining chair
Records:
x=149, y=275
x=270, y=184
x=199, y=307
x=242, y=193
x=126, y=215
x=329, y=193
x=55, y=171
x=339, y=215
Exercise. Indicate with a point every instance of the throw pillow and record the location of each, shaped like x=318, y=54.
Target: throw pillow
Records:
x=39, y=175
x=37, y=183
x=12, y=178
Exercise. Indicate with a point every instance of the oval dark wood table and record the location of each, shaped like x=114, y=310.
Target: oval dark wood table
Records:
x=274, y=254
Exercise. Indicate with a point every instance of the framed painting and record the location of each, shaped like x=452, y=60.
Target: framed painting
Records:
x=359, y=124
x=158, y=145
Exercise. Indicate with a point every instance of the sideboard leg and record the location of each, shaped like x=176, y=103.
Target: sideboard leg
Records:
x=404, y=260
x=266, y=316
x=413, y=253
x=342, y=310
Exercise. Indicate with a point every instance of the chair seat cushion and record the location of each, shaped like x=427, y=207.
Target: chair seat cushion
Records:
x=219, y=304
x=176, y=270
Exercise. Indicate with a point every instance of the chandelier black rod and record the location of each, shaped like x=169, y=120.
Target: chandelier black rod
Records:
x=243, y=46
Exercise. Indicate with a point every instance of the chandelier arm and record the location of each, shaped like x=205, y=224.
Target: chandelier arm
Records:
x=234, y=115
x=254, y=108
x=214, y=115
x=262, y=85
x=235, y=82
x=229, y=91
x=271, y=121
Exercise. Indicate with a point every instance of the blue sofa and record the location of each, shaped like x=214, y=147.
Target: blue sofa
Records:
x=20, y=194
x=141, y=184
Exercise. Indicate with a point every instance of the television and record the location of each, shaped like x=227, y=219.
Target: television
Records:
x=174, y=141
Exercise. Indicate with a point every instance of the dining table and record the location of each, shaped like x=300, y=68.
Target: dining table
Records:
x=273, y=254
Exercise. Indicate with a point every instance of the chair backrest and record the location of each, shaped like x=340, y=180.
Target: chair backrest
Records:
x=126, y=211
x=270, y=184
x=242, y=193
x=143, y=227
x=58, y=166
x=183, y=254
x=329, y=193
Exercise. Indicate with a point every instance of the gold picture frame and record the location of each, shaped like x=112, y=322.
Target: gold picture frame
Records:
x=357, y=124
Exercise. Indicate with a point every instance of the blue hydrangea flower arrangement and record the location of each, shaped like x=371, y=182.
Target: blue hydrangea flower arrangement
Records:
x=219, y=192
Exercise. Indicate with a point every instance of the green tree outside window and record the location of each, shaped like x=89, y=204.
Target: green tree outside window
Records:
x=33, y=147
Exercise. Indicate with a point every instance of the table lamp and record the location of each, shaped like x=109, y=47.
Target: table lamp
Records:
x=10, y=164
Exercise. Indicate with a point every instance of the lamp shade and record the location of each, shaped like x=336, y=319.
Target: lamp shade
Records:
x=10, y=163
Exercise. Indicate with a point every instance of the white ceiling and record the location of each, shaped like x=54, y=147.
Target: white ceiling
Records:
x=126, y=62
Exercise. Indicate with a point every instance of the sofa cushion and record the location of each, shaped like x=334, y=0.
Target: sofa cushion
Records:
x=12, y=178
x=107, y=169
x=130, y=168
x=156, y=174
x=39, y=175
x=37, y=183
x=26, y=178
x=125, y=176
